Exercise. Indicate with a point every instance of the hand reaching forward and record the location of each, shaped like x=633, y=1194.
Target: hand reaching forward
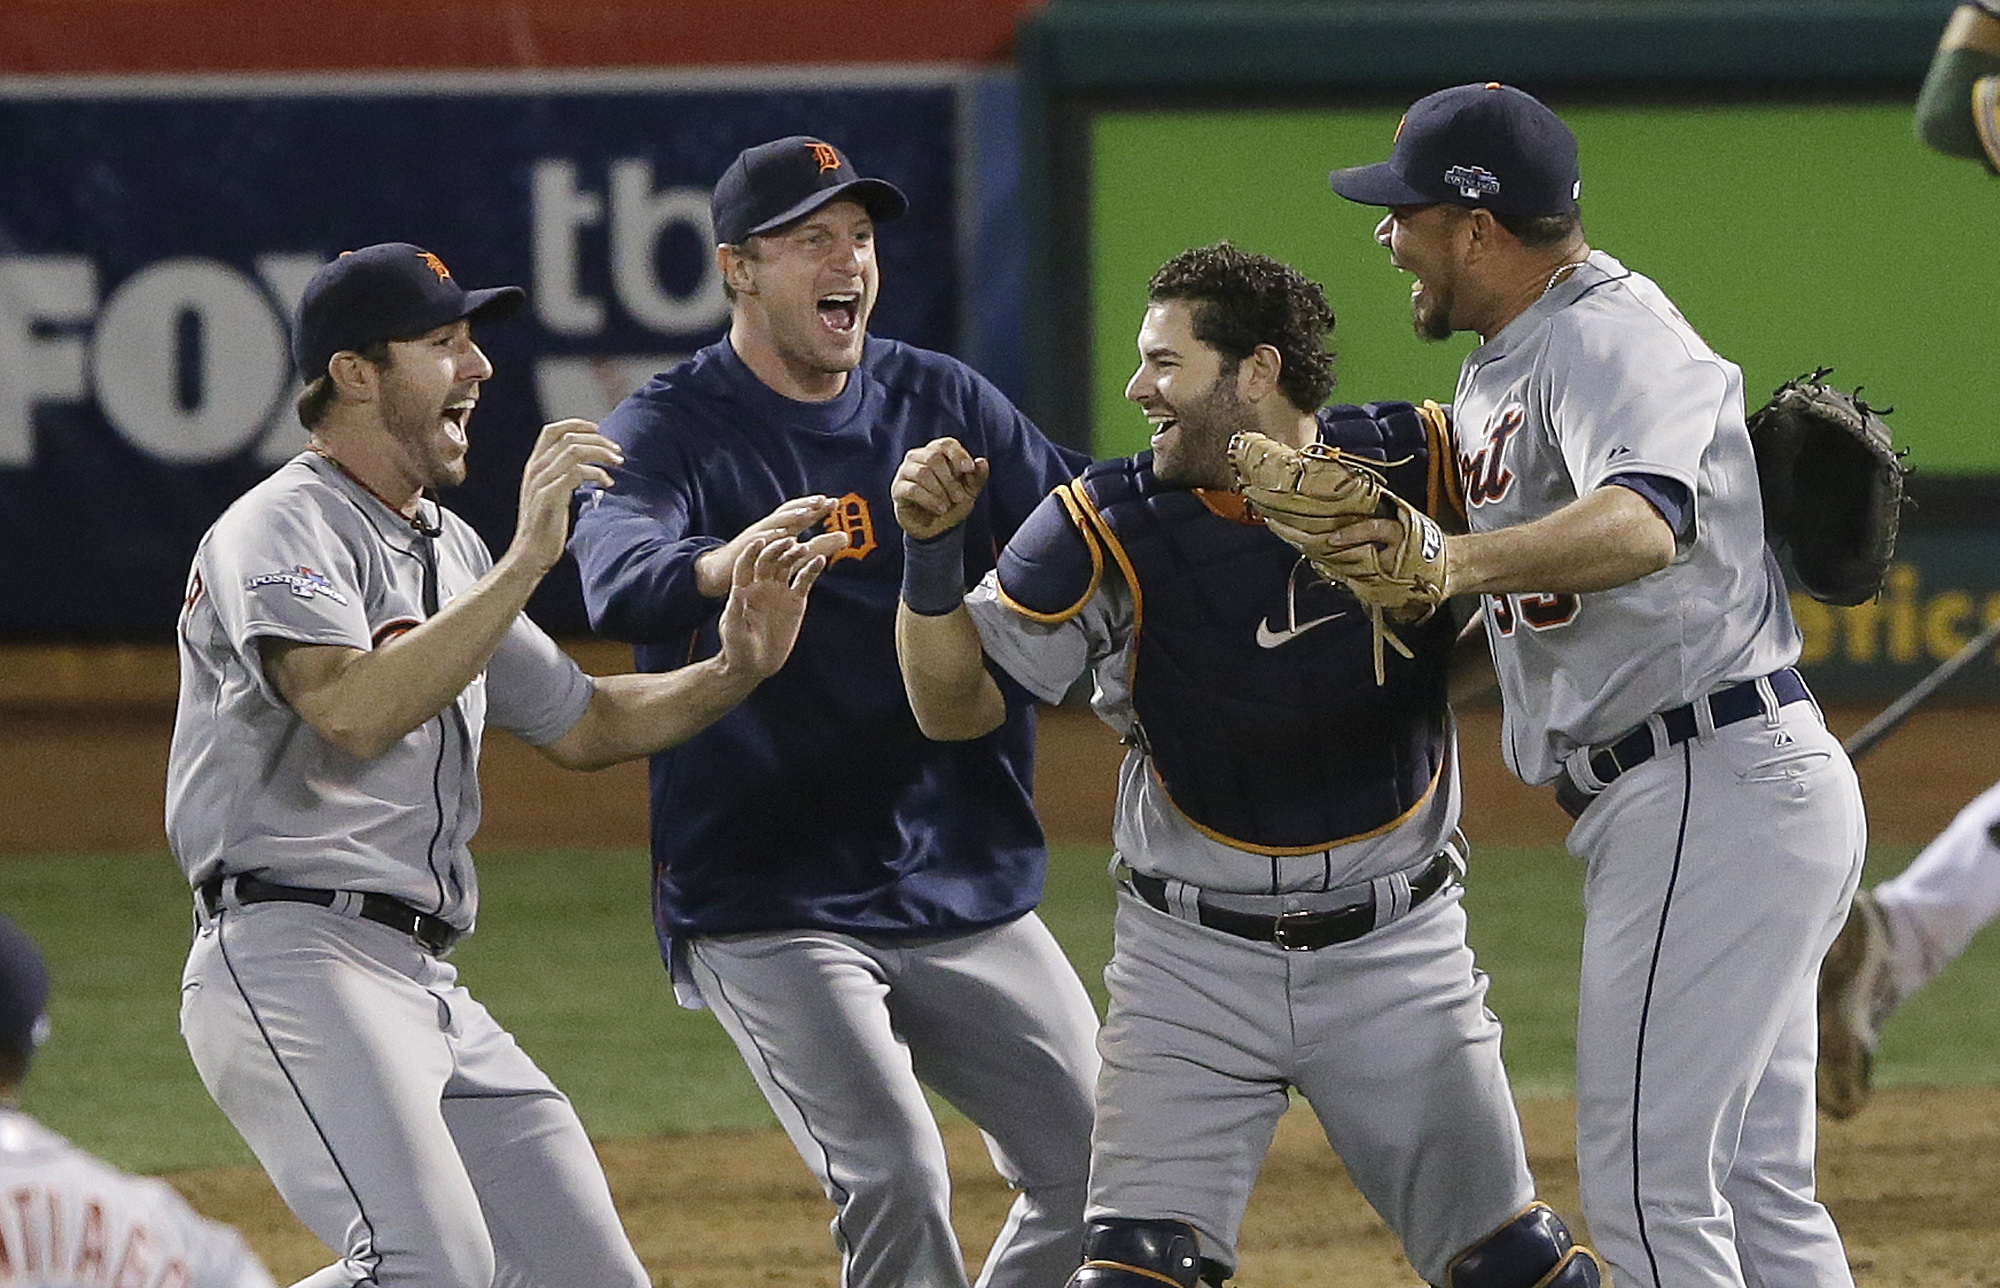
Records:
x=936, y=486
x=767, y=600
x=715, y=569
x=567, y=454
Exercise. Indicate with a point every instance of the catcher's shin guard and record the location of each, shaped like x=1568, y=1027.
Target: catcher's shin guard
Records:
x=1144, y=1254
x=1534, y=1250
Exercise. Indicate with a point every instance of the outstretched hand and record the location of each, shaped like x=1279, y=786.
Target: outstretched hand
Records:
x=767, y=600
x=936, y=487
x=715, y=569
x=567, y=454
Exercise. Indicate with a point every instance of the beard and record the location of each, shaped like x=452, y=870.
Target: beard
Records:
x=1198, y=454
x=1430, y=313
x=435, y=459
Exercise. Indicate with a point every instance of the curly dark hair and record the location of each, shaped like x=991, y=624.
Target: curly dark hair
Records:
x=1243, y=300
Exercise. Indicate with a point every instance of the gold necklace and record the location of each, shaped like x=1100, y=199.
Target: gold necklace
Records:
x=1562, y=271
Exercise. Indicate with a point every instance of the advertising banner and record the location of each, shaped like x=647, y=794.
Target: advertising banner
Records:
x=155, y=236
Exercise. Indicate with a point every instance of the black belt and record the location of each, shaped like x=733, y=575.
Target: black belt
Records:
x=433, y=933
x=1299, y=931
x=1727, y=706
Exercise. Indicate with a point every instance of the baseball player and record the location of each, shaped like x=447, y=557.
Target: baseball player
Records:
x=853, y=902
x=1288, y=863
x=1644, y=645
x=1900, y=934
x=344, y=644
x=73, y=1219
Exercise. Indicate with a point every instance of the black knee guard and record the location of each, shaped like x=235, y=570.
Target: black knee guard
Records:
x=1534, y=1250
x=1144, y=1254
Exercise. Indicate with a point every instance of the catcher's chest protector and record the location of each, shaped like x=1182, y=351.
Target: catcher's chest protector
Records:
x=1254, y=679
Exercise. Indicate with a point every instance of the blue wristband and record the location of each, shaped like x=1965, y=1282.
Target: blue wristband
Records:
x=934, y=572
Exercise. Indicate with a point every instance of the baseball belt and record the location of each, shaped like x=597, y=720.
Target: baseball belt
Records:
x=1343, y=915
x=434, y=934
x=1727, y=706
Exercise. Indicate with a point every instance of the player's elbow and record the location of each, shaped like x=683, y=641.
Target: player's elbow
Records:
x=361, y=738
x=578, y=756
x=957, y=725
x=1655, y=550
x=585, y=746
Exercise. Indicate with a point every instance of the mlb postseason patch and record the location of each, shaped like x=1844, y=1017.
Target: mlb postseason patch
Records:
x=1473, y=181
x=303, y=582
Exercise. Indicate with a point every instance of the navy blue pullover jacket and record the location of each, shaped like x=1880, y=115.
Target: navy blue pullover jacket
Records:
x=817, y=803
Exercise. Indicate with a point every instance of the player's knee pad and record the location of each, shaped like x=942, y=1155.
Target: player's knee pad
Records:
x=1534, y=1250
x=1144, y=1254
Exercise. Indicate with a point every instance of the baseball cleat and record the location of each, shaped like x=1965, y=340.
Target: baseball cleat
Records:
x=1856, y=994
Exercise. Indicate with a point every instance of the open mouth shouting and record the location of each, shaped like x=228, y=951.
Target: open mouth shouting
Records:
x=457, y=415
x=840, y=312
x=1163, y=422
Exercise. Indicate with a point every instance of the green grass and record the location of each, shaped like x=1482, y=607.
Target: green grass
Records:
x=565, y=959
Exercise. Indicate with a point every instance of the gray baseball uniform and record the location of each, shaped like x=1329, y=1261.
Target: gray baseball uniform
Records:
x=1386, y=1036
x=398, y=1120
x=71, y=1220
x=1720, y=822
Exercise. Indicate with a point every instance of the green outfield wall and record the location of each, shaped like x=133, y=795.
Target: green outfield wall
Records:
x=1790, y=235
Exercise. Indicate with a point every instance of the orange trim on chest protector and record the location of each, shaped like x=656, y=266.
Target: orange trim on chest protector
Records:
x=1294, y=851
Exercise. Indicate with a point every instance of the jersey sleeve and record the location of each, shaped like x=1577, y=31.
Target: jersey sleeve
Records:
x=281, y=569
x=631, y=541
x=1670, y=499
x=1045, y=658
x=1054, y=563
x=533, y=688
x=1958, y=109
x=1635, y=401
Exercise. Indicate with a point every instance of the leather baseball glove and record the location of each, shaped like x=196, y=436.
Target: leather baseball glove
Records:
x=1306, y=495
x=1832, y=486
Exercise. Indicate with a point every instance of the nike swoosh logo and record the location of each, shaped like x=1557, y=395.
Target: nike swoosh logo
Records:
x=1268, y=638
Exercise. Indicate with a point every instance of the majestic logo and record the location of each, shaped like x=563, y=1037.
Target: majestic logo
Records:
x=436, y=265
x=1486, y=477
x=1473, y=182
x=852, y=516
x=302, y=581
x=824, y=153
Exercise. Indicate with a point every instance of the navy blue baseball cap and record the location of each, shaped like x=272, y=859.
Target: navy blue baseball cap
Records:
x=1485, y=145
x=24, y=992
x=390, y=291
x=774, y=183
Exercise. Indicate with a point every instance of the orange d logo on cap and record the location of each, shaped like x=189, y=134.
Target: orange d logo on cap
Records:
x=436, y=265
x=825, y=154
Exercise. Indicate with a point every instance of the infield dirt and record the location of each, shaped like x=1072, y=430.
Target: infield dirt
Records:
x=1914, y=1182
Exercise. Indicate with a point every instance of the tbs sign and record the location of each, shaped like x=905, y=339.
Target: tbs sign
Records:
x=188, y=358
x=155, y=237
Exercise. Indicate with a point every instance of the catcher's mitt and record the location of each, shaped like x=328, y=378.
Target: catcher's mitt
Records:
x=1306, y=495
x=1832, y=486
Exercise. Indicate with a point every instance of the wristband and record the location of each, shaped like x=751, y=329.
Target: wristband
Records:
x=934, y=572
